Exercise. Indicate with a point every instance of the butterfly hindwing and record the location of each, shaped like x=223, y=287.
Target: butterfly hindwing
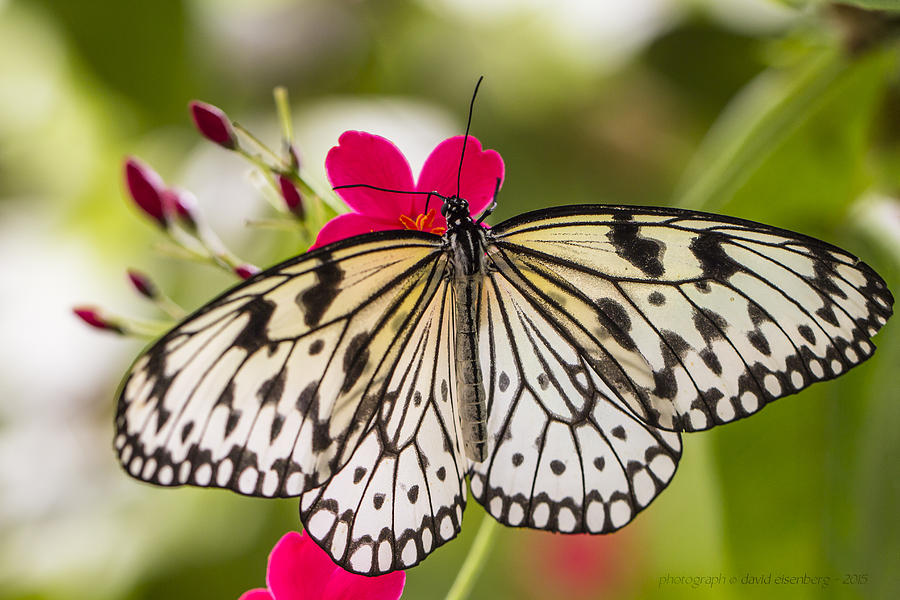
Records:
x=402, y=493
x=266, y=389
x=694, y=319
x=564, y=453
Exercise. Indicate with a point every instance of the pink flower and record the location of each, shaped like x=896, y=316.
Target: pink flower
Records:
x=370, y=159
x=300, y=570
x=578, y=566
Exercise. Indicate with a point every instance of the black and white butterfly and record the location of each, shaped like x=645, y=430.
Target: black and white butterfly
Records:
x=554, y=360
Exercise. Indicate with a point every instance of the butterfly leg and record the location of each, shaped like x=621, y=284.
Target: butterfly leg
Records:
x=491, y=206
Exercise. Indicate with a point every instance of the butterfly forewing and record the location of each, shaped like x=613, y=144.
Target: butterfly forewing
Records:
x=696, y=319
x=262, y=390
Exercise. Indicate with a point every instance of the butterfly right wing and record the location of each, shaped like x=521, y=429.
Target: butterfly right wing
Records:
x=268, y=389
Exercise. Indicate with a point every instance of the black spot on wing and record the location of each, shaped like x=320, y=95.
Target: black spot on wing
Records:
x=616, y=320
x=232, y=421
x=641, y=252
x=272, y=389
x=716, y=264
x=316, y=299
x=503, y=382
x=356, y=357
x=807, y=333
x=277, y=424
x=186, y=431
x=253, y=336
x=358, y=474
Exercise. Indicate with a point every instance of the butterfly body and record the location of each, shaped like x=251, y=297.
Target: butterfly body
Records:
x=465, y=240
x=553, y=361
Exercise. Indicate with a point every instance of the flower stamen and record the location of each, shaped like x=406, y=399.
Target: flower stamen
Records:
x=424, y=222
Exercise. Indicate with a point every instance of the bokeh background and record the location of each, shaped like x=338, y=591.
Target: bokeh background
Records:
x=784, y=112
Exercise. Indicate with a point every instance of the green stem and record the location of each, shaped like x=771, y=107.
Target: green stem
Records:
x=283, y=106
x=468, y=574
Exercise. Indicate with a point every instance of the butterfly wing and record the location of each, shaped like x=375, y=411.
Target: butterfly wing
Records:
x=693, y=319
x=269, y=389
x=564, y=452
x=402, y=493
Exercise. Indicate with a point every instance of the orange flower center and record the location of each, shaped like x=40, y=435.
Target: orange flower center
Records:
x=423, y=223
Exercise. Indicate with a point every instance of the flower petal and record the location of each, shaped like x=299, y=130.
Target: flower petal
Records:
x=481, y=169
x=257, y=594
x=298, y=568
x=350, y=224
x=362, y=157
x=349, y=586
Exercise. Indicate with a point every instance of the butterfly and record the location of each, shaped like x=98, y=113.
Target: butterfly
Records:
x=553, y=361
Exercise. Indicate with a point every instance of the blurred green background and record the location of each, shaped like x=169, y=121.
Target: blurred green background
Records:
x=783, y=112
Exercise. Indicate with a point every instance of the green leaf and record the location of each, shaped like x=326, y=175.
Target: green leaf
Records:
x=791, y=139
x=892, y=5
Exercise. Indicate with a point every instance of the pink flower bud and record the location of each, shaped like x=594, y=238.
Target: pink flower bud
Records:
x=184, y=204
x=92, y=317
x=246, y=271
x=143, y=284
x=291, y=196
x=213, y=124
x=147, y=189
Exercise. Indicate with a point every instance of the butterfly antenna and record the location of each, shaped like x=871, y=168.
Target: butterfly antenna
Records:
x=381, y=189
x=466, y=138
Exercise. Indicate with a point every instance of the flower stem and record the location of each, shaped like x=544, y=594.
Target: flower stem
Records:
x=468, y=574
x=283, y=107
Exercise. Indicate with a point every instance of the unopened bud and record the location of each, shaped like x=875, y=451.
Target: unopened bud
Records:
x=143, y=284
x=291, y=195
x=213, y=124
x=147, y=189
x=92, y=317
x=184, y=205
x=246, y=271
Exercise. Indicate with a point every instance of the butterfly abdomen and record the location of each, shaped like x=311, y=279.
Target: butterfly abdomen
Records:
x=467, y=247
x=469, y=381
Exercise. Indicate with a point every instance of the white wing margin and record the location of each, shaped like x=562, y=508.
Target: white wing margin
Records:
x=695, y=319
x=268, y=389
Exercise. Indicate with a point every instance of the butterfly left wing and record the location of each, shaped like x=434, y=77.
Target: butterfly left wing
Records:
x=402, y=493
x=267, y=389
x=693, y=319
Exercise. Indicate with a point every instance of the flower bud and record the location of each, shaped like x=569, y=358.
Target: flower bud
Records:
x=183, y=204
x=147, y=189
x=92, y=317
x=144, y=286
x=213, y=124
x=246, y=271
x=291, y=195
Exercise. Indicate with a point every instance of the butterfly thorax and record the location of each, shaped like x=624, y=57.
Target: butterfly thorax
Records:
x=466, y=244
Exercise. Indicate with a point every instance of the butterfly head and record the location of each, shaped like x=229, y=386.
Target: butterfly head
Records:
x=456, y=211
